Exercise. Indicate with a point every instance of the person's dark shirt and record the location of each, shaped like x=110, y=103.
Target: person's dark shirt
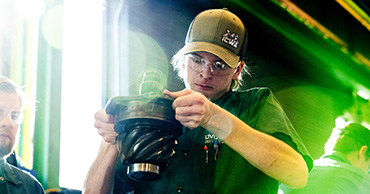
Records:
x=17, y=181
x=226, y=171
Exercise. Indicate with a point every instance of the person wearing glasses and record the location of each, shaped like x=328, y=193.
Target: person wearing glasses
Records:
x=344, y=166
x=12, y=103
x=233, y=141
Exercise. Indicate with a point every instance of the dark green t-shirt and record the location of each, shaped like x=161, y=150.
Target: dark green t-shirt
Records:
x=217, y=168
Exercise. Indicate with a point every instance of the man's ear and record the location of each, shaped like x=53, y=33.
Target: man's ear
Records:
x=238, y=70
x=363, y=151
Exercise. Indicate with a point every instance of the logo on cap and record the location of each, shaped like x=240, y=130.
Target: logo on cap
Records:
x=231, y=39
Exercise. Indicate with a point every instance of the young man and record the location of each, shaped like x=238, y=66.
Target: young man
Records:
x=12, y=102
x=344, y=166
x=256, y=146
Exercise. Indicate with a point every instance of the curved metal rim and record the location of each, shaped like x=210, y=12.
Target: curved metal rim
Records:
x=143, y=167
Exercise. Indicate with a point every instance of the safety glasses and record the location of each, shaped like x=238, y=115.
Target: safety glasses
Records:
x=16, y=116
x=199, y=64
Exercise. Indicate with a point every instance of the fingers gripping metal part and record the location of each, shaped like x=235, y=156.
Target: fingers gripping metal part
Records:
x=147, y=131
x=147, y=128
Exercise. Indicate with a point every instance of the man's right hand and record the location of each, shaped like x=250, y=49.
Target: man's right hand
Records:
x=104, y=123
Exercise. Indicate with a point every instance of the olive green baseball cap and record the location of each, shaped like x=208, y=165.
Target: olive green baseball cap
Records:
x=219, y=32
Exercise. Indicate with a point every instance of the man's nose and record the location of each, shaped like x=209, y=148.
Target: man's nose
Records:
x=207, y=71
x=7, y=121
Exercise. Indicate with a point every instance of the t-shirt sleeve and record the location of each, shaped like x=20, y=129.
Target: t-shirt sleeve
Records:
x=266, y=114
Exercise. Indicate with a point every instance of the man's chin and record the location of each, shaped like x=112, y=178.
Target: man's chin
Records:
x=5, y=150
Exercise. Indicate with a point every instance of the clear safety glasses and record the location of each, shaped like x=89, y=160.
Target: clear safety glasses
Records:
x=16, y=116
x=198, y=64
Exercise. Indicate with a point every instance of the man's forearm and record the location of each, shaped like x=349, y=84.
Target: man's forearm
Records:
x=100, y=176
x=270, y=155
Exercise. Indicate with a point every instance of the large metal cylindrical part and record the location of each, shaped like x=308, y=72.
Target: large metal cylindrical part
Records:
x=147, y=131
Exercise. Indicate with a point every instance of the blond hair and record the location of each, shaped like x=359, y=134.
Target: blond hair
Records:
x=7, y=85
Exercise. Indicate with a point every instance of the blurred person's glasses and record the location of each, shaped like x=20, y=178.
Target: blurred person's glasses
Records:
x=16, y=116
x=198, y=64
